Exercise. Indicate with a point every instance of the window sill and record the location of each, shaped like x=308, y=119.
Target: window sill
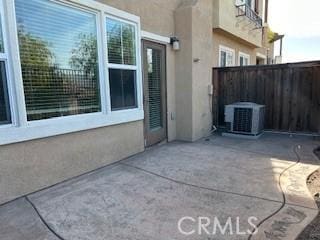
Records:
x=59, y=126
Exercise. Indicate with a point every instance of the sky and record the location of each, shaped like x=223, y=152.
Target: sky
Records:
x=300, y=22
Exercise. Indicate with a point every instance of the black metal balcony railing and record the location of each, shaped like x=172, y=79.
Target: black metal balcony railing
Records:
x=246, y=10
x=55, y=92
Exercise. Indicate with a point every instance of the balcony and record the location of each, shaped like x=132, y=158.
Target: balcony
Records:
x=239, y=22
x=247, y=11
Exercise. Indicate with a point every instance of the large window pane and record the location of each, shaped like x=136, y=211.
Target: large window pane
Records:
x=122, y=89
x=121, y=42
x=5, y=116
x=58, y=51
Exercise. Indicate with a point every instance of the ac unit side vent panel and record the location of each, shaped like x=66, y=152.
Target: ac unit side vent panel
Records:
x=261, y=119
x=242, y=120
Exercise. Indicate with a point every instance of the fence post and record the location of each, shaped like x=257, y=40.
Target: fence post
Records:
x=215, y=97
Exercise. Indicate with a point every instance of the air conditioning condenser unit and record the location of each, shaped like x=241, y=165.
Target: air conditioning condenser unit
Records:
x=244, y=119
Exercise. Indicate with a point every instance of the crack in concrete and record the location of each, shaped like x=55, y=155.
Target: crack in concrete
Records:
x=43, y=220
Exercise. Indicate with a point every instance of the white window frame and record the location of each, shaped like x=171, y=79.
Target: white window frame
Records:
x=228, y=51
x=155, y=37
x=5, y=58
x=244, y=55
x=123, y=66
x=23, y=130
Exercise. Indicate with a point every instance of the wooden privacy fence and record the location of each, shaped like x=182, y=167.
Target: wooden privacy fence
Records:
x=291, y=93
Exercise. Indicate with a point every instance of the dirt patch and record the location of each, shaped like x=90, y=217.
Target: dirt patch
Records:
x=312, y=231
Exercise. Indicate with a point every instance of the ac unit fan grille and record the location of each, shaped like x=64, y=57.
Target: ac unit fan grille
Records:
x=242, y=120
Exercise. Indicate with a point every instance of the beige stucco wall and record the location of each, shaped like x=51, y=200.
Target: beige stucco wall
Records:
x=29, y=166
x=202, y=48
x=183, y=25
x=156, y=16
x=234, y=43
x=227, y=20
x=216, y=13
x=193, y=69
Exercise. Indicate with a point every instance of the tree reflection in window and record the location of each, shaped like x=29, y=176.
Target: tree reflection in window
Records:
x=58, y=51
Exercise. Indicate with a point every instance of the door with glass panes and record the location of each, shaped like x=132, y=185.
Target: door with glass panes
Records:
x=154, y=62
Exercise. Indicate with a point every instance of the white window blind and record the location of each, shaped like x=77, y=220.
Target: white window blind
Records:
x=154, y=57
x=121, y=42
x=58, y=51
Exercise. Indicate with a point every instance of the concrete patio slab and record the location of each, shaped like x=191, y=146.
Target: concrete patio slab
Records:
x=220, y=168
x=125, y=203
x=145, y=196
